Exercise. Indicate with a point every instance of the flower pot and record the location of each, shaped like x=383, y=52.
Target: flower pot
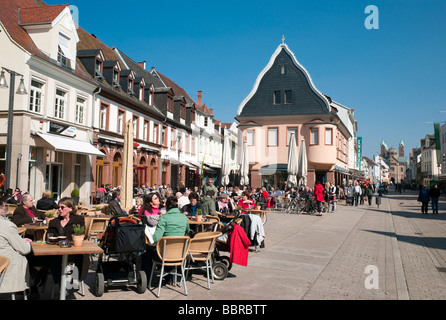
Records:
x=78, y=240
x=199, y=217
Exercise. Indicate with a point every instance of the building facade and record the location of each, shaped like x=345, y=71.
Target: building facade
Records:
x=284, y=100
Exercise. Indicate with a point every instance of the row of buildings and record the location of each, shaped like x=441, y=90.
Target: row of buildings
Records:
x=66, y=130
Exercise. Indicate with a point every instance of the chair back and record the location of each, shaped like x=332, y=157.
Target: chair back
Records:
x=203, y=242
x=11, y=208
x=39, y=234
x=173, y=249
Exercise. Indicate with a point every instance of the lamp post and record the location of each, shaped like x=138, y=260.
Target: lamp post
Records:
x=22, y=91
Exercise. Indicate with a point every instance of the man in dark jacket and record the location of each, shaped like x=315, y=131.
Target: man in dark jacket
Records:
x=25, y=212
x=434, y=194
x=46, y=202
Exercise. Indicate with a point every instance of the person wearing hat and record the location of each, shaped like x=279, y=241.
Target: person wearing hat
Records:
x=224, y=204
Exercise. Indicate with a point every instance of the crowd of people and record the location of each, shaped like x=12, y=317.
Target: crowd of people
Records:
x=164, y=209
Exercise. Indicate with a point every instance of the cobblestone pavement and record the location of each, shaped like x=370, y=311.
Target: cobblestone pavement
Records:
x=333, y=257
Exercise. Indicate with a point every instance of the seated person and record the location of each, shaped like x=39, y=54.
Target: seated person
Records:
x=191, y=208
x=138, y=204
x=151, y=209
x=63, y=225
x=172, y=223
x=25, y=213
x=46, y=202
x=14, y=247
x=114, y=206
x=208, y=203
x=224, y=204
x=245, y=202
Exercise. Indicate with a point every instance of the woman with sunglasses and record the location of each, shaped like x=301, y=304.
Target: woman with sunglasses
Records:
x=63, y=225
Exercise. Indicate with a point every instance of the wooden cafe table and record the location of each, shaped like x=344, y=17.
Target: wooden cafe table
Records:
x=44, y=249
x=200, y=223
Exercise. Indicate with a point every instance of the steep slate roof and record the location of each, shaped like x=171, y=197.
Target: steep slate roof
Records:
x=149, y=78
x=306, y=99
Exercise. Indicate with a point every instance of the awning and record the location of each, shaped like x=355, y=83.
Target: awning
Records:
x=273, y=168
x=70, y=145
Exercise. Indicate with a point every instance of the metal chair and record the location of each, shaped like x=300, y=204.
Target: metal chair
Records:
x=4, y=264
x=201, y=247
x=172, y=251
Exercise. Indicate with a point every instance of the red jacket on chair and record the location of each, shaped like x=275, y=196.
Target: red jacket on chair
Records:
x=239, y=246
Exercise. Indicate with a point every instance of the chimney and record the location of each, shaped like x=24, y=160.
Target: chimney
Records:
x=142, y=65
x=199, y=98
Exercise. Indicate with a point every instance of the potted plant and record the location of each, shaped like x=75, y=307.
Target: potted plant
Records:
x=78, y=235
x=75, y=196
x=199, y=215
x=49, y=215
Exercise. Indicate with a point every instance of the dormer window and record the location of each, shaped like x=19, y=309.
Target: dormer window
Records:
x=116, y=78
x=64, y=55
x=141, y=92
x=130, y=86
x=98, y=67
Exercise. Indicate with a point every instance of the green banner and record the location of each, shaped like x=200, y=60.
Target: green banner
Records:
x=437, y=142
x=359, y=151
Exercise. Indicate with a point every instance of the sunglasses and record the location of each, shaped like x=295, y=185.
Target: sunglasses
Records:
x=62, y=207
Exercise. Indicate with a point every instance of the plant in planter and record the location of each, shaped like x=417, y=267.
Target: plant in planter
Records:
x=199, y=214
x=49, y=215
x=78, y=235
x=75, y=196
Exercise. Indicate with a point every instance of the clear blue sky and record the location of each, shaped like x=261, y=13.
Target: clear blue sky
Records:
x=394, y=77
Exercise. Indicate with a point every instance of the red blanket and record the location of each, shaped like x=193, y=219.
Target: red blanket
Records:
x=239, y=245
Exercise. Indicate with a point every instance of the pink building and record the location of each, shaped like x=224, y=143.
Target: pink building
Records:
x=285, y=100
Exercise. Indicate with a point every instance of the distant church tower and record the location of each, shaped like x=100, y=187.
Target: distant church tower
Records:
x=383, y=149
x=401, y=149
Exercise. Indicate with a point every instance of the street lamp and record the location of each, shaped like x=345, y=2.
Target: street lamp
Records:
x=21, y=90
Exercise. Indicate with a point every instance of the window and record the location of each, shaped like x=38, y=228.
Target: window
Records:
x=80, y=109
x=273, y=137
x=288, y=96
x=64, y=55
x=135, y=127
x=60, y=103
x=116, y=78
x=155, y=133
x=277, y=97
x=250, y=137
x=103, y=117
x=282, y=69
x=163, y=136
x=314, y=138
x=146, y=130
x=205, y=121
x=120, y=122
x=328, y=136
x=35, y=96
x=289, y=132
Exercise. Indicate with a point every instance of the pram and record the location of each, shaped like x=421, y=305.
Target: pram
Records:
x=221, y=264
x=124, y=238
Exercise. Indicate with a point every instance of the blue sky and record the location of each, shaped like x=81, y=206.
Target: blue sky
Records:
x=394, y=76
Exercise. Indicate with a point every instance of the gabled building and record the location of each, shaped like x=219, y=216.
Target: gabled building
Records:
x=52, y=136
x=285, y=100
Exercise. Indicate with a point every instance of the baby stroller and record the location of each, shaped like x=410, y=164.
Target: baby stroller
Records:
x=124, y=238
x=221, y=264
